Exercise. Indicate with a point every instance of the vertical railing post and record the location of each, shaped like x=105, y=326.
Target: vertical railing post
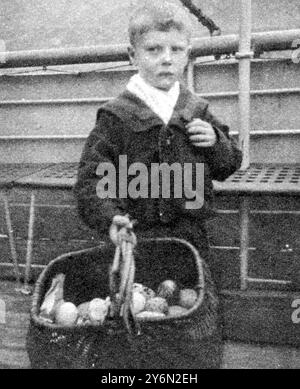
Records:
x=244, y=241
x=191, y=75
x=244, y=56
x=12, y=242
x=26, y=289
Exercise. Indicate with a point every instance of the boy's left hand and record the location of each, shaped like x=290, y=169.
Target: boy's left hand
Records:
x=201, y=133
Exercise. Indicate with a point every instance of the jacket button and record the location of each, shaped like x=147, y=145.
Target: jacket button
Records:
x=160, y=214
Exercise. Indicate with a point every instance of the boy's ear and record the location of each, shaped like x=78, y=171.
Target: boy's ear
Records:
x=131, y=54
x=189, y=51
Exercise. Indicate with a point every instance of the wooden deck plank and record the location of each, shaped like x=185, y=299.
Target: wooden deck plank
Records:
x=245, y=356
x=14, y=359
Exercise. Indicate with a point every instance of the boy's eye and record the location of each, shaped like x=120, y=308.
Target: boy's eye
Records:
x=159, y=49
x=177, y=49
x=153, y=49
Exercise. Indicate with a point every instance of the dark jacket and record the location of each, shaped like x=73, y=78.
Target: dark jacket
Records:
x=126, y=126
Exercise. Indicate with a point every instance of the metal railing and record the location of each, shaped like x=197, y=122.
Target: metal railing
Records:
x=228, y=44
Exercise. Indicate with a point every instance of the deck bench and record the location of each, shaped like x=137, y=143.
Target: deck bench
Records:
x=258, y=180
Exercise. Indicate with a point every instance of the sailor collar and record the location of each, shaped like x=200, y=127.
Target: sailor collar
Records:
x=132, y=108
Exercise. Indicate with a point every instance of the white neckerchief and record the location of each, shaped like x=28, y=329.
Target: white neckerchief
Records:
x=162, y=103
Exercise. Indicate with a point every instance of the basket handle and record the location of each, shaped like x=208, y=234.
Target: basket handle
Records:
x=122, y=273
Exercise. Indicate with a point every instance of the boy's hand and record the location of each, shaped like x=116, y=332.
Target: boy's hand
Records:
x=121, y=221
x=201, y=133
x=118, y=222
x=117, y=231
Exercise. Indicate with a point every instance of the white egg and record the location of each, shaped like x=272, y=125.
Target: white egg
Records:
x=98, y=310
x=150, y=315
x=66, y=314
x=138, y=302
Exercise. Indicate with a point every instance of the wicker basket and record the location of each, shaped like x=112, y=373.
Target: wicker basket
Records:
x=190, y=340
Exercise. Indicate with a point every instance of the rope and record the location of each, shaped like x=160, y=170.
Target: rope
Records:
x=203, y=19
x=122, y=273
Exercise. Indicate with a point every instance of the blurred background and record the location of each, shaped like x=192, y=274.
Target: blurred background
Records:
x=43, y=24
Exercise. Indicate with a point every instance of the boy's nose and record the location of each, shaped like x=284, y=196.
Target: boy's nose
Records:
x=167, y=55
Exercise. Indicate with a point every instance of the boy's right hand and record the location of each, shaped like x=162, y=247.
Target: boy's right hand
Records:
x=122, y=221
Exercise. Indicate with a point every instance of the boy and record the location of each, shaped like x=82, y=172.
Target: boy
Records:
x=156, y=120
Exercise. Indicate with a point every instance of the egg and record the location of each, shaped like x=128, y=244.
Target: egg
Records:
x=168, y=290
x=150, y=315
x=176, y=310
x=66, y=314
x=157, y=304
x=83, y=309
x=138, y=302
x=98, y=310
x=148, y=293
x=83, y=314
x=187, y=298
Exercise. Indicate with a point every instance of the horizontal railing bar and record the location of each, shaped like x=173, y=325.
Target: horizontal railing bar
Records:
x=218, y=211
x=212, y=246
x=254, y=212
x=259, y=92
x=95, y=100
x=65, y=56
x=42, y=205
x=124, y=68
x=270, y=132
x=231, y=248
x=83, y=137
x=21, y=265
x=263, y=41
x=238, y=248
x=76, y=70
x=260, y=42
x=266, y=281
x=42, y=137
x=203, y=62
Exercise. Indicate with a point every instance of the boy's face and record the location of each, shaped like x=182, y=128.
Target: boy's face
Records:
x=161, y=57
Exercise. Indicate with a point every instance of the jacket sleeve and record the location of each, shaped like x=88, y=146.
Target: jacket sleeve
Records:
x=104, y=145
x=224, y=158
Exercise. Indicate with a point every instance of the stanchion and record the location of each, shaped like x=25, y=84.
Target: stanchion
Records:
x=12, y=243
x=244, y=56
x=26, y=289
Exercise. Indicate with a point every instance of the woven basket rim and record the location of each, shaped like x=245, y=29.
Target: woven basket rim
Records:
x=34, y=313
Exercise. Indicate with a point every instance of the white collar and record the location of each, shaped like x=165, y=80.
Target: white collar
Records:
x=162, y=103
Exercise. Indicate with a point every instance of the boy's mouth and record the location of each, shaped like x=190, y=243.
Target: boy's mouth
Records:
x=166, y=74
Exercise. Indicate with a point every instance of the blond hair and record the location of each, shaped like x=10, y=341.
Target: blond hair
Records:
x=158, y=16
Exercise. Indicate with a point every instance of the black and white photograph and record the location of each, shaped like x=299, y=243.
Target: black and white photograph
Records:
x=149, y=187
